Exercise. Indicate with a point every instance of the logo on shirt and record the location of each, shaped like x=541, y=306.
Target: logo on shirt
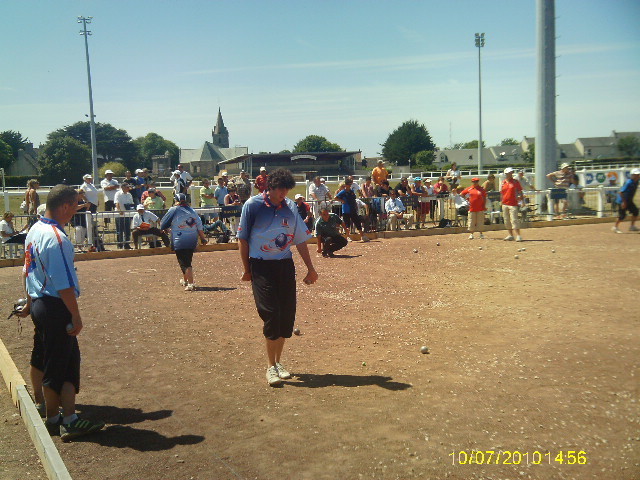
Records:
x=190, y=221
x=29, y=259
x=285, y=223
x=280, y=243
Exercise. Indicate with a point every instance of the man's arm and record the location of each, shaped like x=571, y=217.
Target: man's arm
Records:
x=312, y=275
x=244, y=256
x=68, y=296
x=319, y=239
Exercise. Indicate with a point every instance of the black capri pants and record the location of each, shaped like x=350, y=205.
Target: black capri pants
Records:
x=185, y=258
x=352, y=218
x=55, y=352
x=631, y=208
x=274, y=290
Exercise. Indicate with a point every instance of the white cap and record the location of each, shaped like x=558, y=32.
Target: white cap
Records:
x=177, y=172
x=138, y=170
x=635, y=171
x=323, y=180
x=564, y=165
x=263, y=169
x=140, y=207
x=223, y=173
x=87, y=175
x=298, y=196
x=108, y=171
x=508, y=170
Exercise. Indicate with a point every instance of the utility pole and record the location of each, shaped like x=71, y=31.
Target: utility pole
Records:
x=92, y=123
x=479, y=44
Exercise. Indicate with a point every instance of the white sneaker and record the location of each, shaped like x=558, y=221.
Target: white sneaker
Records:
x=282, y=372
x=518, y=238
x=481, y=236
x=616, y=230
x=190, y=287
x=471, y=237
x=633, y=228
x=272, y=376
x=508, y=238
x=183, y=282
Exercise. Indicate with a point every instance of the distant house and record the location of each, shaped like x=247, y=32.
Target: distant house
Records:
x=26, y=164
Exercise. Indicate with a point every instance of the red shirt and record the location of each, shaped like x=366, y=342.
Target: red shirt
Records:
x=510, y=190
x=261, y=182
x=477, y=197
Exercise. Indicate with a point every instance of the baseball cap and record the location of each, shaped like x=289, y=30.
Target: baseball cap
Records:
x=263, y=169
x=564, y=165
x=179, y=166
x=223, y=173
x=323, y=179
x=508, y=170
x=475, y=179
x=417, y=179
x=177, y=172
x=138, y=170
x=140, y=207
x=152, y=190
x=181, y=198
x=298, y=196
x=87, y=175
x=635, y=171
x=242, y=171
x=108, y=171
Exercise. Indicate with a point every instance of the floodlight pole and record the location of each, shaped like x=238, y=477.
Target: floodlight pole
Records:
x=479, y=44
x=92, y=123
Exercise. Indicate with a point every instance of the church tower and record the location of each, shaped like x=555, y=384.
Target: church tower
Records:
x=220, y=134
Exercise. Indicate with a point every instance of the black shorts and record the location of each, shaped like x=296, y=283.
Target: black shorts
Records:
x=185, y=257
x=352, y=219
x=55, y=353
x=631, y=208
x=274, y=290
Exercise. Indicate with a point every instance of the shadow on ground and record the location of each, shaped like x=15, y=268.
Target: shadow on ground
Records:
x=311, y=380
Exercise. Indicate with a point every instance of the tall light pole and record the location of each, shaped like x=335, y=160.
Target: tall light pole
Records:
x=92, y=123
x=479, y=44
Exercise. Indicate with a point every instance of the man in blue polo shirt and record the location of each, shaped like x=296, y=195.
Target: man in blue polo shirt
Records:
x=52, y=288
x=269, y=225
x=625, y=203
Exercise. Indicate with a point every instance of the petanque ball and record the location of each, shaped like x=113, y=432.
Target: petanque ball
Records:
x=438, y=244
x=415, y=250
x=424, y=349
x=296, y=331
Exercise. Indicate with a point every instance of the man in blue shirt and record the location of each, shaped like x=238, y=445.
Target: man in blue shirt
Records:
x=625, y=202
x=52, y=287
x=350, y=208
x=269, y=225
x=186, y=228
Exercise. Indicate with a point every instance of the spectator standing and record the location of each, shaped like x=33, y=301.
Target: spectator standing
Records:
x=186, y=228
x=32, y=198
x=80, y=220
x=124, y=202
x=52, y=289
x=319, y=194
x=403, y=188
x=145, y=194
x=489, y=185
x=383, y=190
x=90, y=192
x=420, y=191
x=380, y=173
x=221, y=192
x=305, y=211
x=232, y=199
x=140, y=186
x=441, y=188
x=524, y=182
x=453, y=176
x=328, y=235
x=207, y=197
x=243, y=184
x=109, y=186
x=624, y=199
x=561, y=179
x=477, y=200
x=511, y=193
x=153, y=200
x=268, y=228
x=396, y=212
x=187, y=180
x=367, y=189
x=350, y=208
x=262, y=180
x=145, y=223
x=128, y=179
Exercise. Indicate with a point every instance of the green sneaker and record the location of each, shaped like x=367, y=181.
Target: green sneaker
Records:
x=78, y=428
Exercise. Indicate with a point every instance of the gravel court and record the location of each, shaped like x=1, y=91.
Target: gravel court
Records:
x=531, y=354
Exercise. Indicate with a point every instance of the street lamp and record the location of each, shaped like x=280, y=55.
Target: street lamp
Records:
x=479, y=44
x=92, y=123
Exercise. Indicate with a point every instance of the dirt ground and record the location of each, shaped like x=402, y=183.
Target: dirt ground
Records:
x=534, y=354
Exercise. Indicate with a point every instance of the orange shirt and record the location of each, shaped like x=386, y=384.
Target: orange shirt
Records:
x=379, y=174
x=510, y=191
x=261, y=182
x=477, y=197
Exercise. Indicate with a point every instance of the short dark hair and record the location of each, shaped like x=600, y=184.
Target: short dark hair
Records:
x=348, y=181
x=281, y=178
x=61, y=195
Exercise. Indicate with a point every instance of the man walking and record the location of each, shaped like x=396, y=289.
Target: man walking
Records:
x=625, y=203
x=52, y=290
x=511, y=193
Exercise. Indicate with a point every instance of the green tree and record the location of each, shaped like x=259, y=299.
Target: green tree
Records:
x=117, y=168
x=529, y=156
x=405, y=141
x=6, y=155
x=111, y=142
x=629, y=146
x=64, y=157
x=316, y=143
x=508, y=141
x=425, y=158
x=468, y=145
x=153, y=144
x=15, y=140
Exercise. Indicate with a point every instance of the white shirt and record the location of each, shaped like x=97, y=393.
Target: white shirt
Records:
x=146, y=217
x=321, y=191
x=362, y=207
x=394, y=205
x=91, y=192
x=109, y=195
x=453, y=173
x=460, y=201
x=121, y=199
x=6, y=228
x=186, y=176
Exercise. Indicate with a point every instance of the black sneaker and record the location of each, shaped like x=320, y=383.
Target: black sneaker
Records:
x=53, y=428
x=78, y=428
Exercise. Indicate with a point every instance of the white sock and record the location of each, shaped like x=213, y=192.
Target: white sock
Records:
x=71, y=418
x=54, y=419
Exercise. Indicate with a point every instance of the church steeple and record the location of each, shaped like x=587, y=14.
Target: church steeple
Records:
x=220, y=134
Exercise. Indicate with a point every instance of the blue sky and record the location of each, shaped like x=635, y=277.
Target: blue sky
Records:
x=351, y=71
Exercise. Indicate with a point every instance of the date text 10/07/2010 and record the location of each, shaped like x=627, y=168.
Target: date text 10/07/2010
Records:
x=515, y=457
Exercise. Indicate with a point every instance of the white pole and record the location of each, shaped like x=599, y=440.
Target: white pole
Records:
x=92, y=123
